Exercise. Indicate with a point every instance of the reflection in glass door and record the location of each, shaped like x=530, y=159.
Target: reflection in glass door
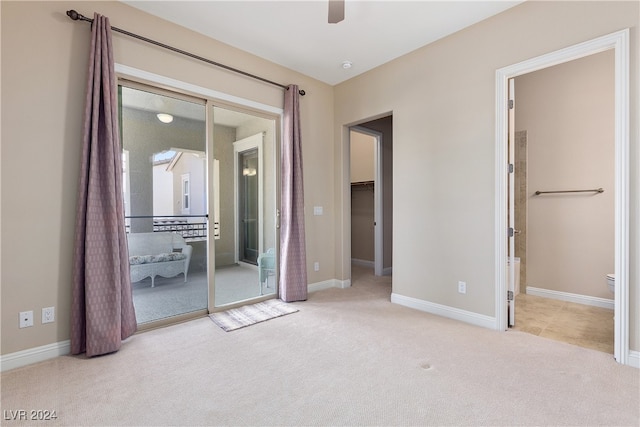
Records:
x=188, y=165
x=248, y=206
x=244, y=146
x=165, y=195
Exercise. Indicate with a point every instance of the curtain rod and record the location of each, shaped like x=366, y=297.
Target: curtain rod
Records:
x=79, y=17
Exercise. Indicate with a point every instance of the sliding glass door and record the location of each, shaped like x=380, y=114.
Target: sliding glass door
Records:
x=200, y=190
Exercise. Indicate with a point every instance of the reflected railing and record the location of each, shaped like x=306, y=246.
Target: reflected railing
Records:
x=192, y=228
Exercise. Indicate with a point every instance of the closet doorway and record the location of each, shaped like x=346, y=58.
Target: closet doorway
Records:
x=370, y=151
x=365, y=199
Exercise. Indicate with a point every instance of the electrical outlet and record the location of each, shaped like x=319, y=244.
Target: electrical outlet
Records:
x=462, y=287
x=26, y=319
x=48, y=315
x=316, y=266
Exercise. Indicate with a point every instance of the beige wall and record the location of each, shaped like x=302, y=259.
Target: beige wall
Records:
x=362, y=228
x=568, y=113
x=362, y=157
x=225, y=246
x=44, y=61
x=443, y=102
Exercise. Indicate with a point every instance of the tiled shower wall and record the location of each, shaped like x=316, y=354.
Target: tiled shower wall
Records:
x=521, y=204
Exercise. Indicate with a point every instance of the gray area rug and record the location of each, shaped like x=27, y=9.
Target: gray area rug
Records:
x=241, y=317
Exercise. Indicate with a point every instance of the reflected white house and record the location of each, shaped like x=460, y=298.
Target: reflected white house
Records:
x=179, y=183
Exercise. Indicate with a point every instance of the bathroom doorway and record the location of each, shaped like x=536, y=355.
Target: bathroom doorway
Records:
x=564, y=150
x=551, y=195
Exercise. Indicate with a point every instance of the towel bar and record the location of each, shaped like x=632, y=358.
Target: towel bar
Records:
x=596, y=190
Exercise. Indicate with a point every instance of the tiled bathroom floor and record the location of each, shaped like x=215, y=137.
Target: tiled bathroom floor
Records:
x=578, y=324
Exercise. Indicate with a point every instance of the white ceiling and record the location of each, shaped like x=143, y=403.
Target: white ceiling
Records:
x=296, y=35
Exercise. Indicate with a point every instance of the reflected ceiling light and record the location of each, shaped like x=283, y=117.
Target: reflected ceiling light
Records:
x=165, y=118
x=347, y=64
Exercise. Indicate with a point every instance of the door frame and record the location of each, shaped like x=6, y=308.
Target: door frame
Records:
x=378, y=219
x=619, y=41
x=511, y=211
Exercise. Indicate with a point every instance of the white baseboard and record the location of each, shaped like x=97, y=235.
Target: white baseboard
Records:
x=445, y=311
x=633, y=359
x=342, y=284
x=34, y=355
x=45, y=352
x=566, y=296
x=363, y=263
x=327, y=284
x=387, y=271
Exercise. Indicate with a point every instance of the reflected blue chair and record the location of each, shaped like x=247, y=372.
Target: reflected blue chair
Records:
x=266, y=267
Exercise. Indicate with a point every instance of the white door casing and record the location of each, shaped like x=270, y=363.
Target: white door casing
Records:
x=619, y=41
x=511, y=291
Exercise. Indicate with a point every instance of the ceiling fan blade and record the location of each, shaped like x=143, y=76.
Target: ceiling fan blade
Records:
x=336, y=11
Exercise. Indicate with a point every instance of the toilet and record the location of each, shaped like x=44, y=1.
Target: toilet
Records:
x=611, y=282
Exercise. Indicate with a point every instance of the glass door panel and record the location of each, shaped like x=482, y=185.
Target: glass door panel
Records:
x=165, y=194
x=246, y=246
x=248, y=206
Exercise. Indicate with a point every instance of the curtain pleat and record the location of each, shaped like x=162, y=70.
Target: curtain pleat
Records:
x=293, y=254
x=102, y=312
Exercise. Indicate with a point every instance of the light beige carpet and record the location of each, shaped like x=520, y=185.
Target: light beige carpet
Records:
x=348, y=357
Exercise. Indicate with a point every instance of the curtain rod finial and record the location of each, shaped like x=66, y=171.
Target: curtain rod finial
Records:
x=300, y=91
x=77, y=16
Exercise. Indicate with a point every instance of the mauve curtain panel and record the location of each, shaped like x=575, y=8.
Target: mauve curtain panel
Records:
x=293, y=254
x=102, y=306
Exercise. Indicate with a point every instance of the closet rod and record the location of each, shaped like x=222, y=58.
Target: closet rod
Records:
x=362, y=183
x=596, y=190
x=79, y=17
